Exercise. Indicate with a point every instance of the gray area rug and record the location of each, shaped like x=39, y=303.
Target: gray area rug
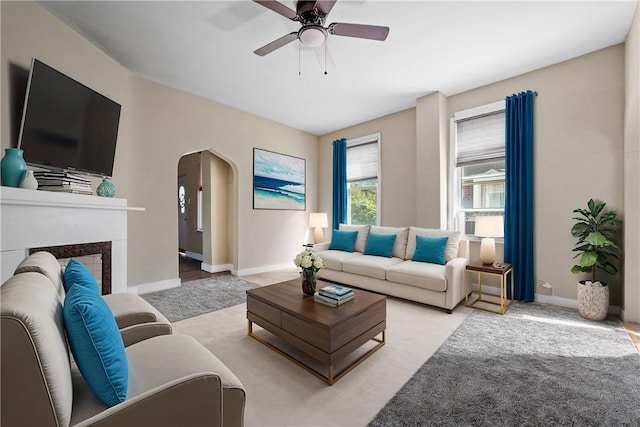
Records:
x=538, y=365
x=200, y=296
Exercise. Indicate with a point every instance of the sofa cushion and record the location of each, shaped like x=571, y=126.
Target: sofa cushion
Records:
x=451, y=250
x=333, y=259
x=343, y=240
x=380, y=244
x=369, y=266
x=76, y=273
x=430, y=249
x=96, y=344
x=363, y=232
x=419, y=274
x=400, y=245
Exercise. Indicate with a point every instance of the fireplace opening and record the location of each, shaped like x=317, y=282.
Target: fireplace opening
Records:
x=96, y=256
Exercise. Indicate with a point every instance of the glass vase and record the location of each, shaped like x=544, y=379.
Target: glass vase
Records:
x=13, y=167
x=308, y=281
x=106, y=189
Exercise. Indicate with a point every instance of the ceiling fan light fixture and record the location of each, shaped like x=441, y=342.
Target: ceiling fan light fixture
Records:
x=312, y=35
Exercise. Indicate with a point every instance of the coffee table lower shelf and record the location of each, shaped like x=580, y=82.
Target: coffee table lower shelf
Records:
x=331, y=377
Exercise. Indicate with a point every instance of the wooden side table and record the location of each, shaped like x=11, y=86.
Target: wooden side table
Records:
x=501, y=270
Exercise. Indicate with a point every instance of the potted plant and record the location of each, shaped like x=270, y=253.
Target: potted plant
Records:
x=597, y=233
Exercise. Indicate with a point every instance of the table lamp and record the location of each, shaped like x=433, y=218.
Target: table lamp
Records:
x=318, y=221
x=489, y=227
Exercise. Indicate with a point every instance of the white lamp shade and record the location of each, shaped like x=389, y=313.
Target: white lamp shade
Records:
x=489, y=226
x=312, y=36
x=318, y=220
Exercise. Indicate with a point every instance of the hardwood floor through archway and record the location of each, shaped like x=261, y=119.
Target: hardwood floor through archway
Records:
x=189, y=269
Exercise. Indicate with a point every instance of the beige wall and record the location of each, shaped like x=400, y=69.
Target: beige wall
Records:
x=578, y=154
x=28, y=31
x=631, y=302
x=158, y=125
x=432, y=155
x=397, y=154
x=578, y=151
x=218, y=188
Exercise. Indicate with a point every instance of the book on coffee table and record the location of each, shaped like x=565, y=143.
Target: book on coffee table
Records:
x=335, y=290
x=335, y=297
x=322, y=299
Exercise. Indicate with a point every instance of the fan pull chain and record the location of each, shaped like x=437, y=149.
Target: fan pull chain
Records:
x=299, y=61
x=325, y=57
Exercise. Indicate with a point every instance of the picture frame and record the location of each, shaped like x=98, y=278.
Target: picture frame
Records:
x=279, y=181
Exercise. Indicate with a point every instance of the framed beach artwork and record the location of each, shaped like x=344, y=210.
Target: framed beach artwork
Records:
x=278, y=181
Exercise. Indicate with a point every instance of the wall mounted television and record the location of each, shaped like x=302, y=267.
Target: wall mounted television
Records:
x=66, y=125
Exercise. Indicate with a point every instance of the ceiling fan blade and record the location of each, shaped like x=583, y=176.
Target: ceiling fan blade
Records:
x=372, y=32
x=279, y=8
x=276, y=44
x=324, y=6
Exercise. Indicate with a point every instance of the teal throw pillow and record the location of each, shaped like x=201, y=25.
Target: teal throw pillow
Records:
x=96, y=344
x=343, y=240
x=76, y=273
x=380, y=244
x=430, y=249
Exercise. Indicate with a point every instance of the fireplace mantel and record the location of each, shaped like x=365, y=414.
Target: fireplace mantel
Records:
x=33, y=219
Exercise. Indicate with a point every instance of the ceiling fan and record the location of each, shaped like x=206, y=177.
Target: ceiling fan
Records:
x=312, y=16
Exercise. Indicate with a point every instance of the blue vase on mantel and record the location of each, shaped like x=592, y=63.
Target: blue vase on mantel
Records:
x=106, y=189
x=13, y=168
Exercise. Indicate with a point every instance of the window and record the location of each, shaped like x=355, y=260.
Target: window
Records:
x=363, y=180
x=478, y=165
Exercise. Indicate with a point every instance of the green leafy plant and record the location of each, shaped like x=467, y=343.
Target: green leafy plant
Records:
x=597, y=232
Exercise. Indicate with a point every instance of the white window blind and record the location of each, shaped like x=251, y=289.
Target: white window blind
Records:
x=480, y=139
x=362, y=161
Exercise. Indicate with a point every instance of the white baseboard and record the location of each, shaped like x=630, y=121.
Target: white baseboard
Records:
x=215, y=268
x=545, y=299
x=553, y=300
x=193, y=255
x=145, y=288
x=259, y=270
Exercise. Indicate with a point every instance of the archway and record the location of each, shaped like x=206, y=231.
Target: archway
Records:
x=207, y=214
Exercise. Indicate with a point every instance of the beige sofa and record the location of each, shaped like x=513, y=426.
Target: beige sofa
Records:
x=172, y=379
x=438, y=285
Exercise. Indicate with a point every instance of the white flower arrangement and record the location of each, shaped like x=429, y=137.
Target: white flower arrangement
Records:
x=308, y=260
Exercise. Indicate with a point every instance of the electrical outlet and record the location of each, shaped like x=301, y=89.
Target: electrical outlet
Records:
x=546, y=285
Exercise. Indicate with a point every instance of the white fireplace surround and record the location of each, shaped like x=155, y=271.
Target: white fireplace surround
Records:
x=33, y=219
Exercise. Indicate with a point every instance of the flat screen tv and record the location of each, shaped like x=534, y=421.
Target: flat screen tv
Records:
x=66, y=125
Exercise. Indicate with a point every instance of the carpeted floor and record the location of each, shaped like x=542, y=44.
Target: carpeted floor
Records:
x=280, y=393
x=200, y=296
x=538, y=365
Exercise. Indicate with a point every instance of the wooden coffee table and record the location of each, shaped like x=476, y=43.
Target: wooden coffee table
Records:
x=326, y=334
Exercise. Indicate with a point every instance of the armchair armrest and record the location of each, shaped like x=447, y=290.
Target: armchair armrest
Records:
x=136, y=333
x=131, y=309
x=321, y=246
x=173, y=381
x=194, y=400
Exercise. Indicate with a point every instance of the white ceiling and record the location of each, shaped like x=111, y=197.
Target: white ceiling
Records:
x=206, y=48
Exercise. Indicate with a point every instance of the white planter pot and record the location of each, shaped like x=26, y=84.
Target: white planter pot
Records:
x=593, y=301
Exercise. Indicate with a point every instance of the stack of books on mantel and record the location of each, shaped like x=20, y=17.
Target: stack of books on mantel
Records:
x=333, y=295
x=63, y=181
